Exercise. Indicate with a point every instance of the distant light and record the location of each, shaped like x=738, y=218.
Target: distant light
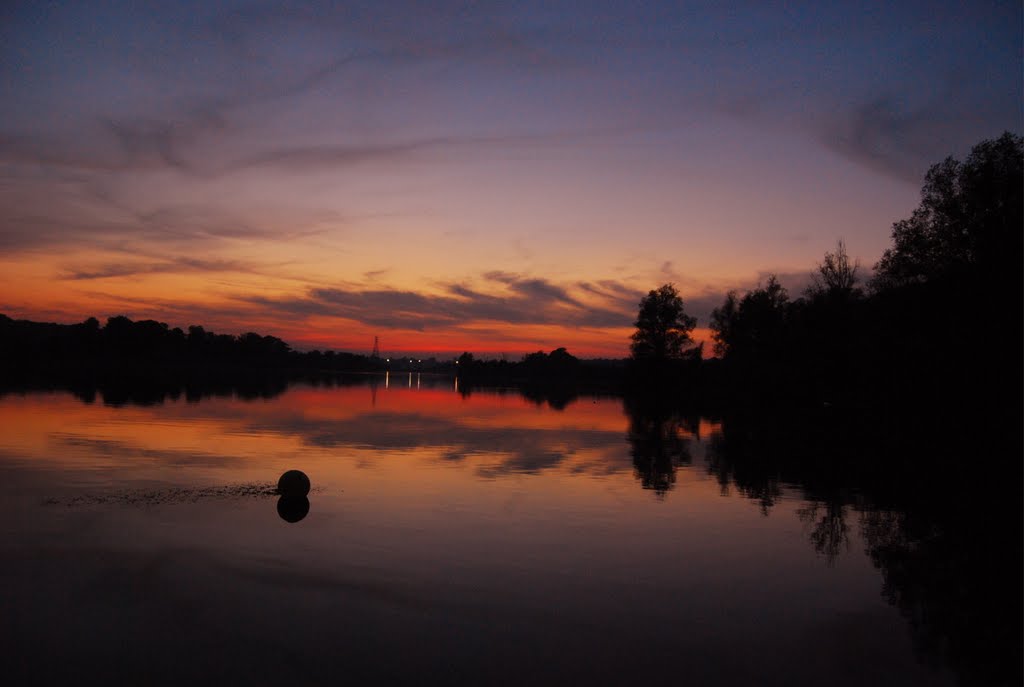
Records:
x=419, y=361
x=387, y=360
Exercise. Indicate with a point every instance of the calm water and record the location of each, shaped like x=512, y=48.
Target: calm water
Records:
x=481, y=539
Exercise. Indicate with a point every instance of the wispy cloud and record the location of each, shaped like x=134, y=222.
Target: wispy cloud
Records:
x=86, y=214
x=891, y=137
x=176, y=265
x=519, y=300
x=221, y=69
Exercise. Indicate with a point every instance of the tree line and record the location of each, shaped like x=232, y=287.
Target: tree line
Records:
x=940, y=314
x=122, y=342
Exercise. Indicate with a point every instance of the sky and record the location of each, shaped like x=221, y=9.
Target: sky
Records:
x=493, y=177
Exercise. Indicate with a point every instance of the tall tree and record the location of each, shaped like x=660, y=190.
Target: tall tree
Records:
x=752, y=325
x=662, y=327
x=723, y=324
x=969, y=222
x=836, y=276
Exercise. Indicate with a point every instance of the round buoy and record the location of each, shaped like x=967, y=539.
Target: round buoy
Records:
x=293, y=483
x=292, y=508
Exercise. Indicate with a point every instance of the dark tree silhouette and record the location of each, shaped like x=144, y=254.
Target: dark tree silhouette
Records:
x=723, y=323
x=562, y=358
x=753, y=325
x=151, y=354
x=970, y=220
x=662, y=327
x=836, y=275
x=559, y=363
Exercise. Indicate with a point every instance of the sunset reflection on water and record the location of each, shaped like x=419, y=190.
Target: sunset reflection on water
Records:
x=448, y=534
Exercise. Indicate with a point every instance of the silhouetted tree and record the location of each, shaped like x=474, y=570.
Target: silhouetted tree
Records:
x=662, y=327
x=958, y=253
x=970, y=219
x=558, y=364
x=753, y=325
x=723, y=323
x=836, y=277
x=561, y=358
x=148, y=349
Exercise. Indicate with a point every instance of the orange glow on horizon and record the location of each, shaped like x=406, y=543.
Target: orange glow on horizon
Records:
x=506, y=340
x=41, y=288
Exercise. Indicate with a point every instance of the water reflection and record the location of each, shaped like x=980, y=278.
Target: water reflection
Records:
x=947, y=540
x=478, y=473
x=158, y=389
x=829, y=532
x=557, y=397
x=659, y=438
x=293, y=508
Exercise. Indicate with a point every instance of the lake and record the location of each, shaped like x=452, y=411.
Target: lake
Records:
x=478, y=538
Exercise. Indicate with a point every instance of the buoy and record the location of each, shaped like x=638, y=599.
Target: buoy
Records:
x=293, y=483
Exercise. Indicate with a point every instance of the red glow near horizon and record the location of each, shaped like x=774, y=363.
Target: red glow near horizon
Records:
x=441, y=347
x=605, y=343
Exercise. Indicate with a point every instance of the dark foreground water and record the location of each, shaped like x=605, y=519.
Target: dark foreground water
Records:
x=481, y=539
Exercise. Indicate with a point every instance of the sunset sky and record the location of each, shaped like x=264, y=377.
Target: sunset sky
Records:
x=492, y=177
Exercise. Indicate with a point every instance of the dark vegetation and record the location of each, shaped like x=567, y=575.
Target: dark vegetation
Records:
x=894, y=406
x=125, y=344
x=147, y=362
x=148, y=355
x=939, y=322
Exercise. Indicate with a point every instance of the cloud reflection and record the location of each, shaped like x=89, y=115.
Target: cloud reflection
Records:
x=492, y=451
